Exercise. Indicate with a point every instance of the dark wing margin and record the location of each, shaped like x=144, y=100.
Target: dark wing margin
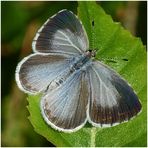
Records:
x=112, y=100
x=62, y=32
x=65, y=108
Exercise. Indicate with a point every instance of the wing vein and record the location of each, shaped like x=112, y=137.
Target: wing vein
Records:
x=100, y=78
x=69, y=40
x=101, y=82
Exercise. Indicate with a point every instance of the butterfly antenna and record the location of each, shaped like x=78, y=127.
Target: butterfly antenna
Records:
x=93, y=34
x=93, y=42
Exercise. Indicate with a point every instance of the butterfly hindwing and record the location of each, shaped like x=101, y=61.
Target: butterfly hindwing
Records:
x=62, y=33
x=112, y=100
x=65, y=107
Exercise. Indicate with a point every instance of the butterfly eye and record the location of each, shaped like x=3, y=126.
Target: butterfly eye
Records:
x=90, y=50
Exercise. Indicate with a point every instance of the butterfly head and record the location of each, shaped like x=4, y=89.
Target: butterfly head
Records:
x=91, y=53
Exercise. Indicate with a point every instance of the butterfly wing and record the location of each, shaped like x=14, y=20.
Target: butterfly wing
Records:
x=112, y=100
x=63, y=32
x=65, y=107
x=35, y=72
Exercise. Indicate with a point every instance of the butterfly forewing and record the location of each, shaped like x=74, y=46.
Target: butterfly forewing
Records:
x=61, y=33
x=35, y=72
x=112, y=100
x=65, y=107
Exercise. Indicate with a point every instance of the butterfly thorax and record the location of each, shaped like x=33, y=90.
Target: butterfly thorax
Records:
x=79, y=63
x=83, y=60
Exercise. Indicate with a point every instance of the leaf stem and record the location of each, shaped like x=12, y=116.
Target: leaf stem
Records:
x=93, y=137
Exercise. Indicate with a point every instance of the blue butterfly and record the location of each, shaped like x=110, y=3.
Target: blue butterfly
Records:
x=75, y=88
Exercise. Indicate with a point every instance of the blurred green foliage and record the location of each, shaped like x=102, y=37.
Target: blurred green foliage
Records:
x=19, y=23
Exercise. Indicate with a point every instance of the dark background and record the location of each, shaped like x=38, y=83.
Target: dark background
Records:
x=19, y=23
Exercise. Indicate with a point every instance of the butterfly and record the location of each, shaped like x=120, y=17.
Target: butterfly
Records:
x=75, y=87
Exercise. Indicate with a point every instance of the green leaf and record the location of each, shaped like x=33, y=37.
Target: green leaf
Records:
x=111, y=40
